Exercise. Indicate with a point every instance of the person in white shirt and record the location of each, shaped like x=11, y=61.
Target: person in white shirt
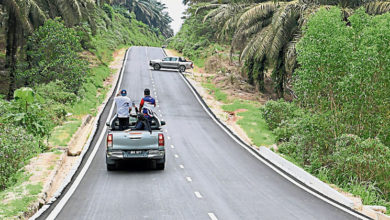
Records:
x=123, y=109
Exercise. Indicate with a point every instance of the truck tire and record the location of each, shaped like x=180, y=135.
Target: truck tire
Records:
x=156, y=66
x=182, y=69
x=160, y=166
x=111, y=167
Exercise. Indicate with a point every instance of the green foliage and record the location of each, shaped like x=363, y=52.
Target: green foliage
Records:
x=275, y=112
x=24, y=95
x=29, y=114
x=52, y=54
x=194, y=38
x=353, y=157
x=117, y=29
x=16, y=146
x=308, y=139
x=344, y=71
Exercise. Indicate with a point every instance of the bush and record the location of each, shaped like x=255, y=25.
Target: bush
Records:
x=344, y=70
x=311, y=142
x=362, y=160
x=275, y=112
x=55, y=91
x=16, y=147
x=52, y=54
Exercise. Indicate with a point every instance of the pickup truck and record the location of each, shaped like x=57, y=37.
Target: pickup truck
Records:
x=179, y=63
x=133, y=144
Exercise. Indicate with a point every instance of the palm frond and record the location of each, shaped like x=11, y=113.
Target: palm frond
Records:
x=256, y=13
x=377, y=7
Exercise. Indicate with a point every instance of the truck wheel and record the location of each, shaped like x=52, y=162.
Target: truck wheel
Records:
x=111, y=167
x=160, y=166
x=182, y=69
x=156, y=66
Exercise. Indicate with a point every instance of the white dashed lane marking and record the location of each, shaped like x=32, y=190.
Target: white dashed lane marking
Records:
x=198, y=195
x=168, y=136
x=172, y=146
x=177, y=156
x=212, y=216
x=189, y=179
x=181, y=166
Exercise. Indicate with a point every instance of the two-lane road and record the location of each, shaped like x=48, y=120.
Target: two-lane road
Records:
x=207, y=175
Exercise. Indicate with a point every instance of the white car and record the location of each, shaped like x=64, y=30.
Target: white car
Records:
x=179, y=63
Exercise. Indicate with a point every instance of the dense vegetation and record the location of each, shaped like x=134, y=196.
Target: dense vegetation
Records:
x=53, y=78
x=339, y=126
x=261, y=35
x=333, y=62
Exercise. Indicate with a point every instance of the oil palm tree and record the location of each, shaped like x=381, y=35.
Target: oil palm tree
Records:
x=151, y=12
x=265, y=34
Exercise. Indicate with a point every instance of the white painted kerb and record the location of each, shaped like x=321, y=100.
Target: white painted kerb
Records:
x=305, y=177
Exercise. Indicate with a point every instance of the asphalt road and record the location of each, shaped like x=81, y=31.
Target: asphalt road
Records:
x=207, y=175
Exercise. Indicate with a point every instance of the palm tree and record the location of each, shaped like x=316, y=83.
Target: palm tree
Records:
x=23, y=16
x=265, y=34
x=150, y=12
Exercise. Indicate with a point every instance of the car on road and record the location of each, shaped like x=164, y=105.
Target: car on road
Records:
x=125, y=145
x=179, y=63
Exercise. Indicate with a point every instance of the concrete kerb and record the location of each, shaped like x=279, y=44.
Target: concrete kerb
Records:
x=76, y=166
x=305, y=177
x=292, y=171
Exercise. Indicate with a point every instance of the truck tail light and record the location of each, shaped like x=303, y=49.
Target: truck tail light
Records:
x=161, y=141
x=192, y=65
x=109, y=140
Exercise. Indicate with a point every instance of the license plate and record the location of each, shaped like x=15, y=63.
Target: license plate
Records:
x=133, y=153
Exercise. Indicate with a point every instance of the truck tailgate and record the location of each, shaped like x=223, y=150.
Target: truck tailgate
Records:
x=136, y=140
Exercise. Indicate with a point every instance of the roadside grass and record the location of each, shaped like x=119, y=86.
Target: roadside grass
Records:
x=62, y=134
x=22, y=197
x=94, y=92
x=252, y=122
x=199, y=62
x=218, y=94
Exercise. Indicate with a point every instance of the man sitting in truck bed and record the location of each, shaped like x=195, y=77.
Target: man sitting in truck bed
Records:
x=146, y=107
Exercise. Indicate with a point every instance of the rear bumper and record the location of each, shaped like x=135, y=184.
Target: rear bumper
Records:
x=113, y=156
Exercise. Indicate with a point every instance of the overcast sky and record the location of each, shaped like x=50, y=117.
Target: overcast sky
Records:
x=175, y=10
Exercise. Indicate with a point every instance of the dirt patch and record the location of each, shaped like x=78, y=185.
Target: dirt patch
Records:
x=233, y=117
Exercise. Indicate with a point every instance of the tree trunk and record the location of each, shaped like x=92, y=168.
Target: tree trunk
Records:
x=11, y=50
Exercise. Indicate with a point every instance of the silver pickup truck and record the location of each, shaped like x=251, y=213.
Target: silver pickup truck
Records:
x=133, y=144
x=172, y=63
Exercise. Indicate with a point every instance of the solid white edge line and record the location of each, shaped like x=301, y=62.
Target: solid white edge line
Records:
x=75, y=184
x=198, y=195
x=212, y=216
x=267, y=163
